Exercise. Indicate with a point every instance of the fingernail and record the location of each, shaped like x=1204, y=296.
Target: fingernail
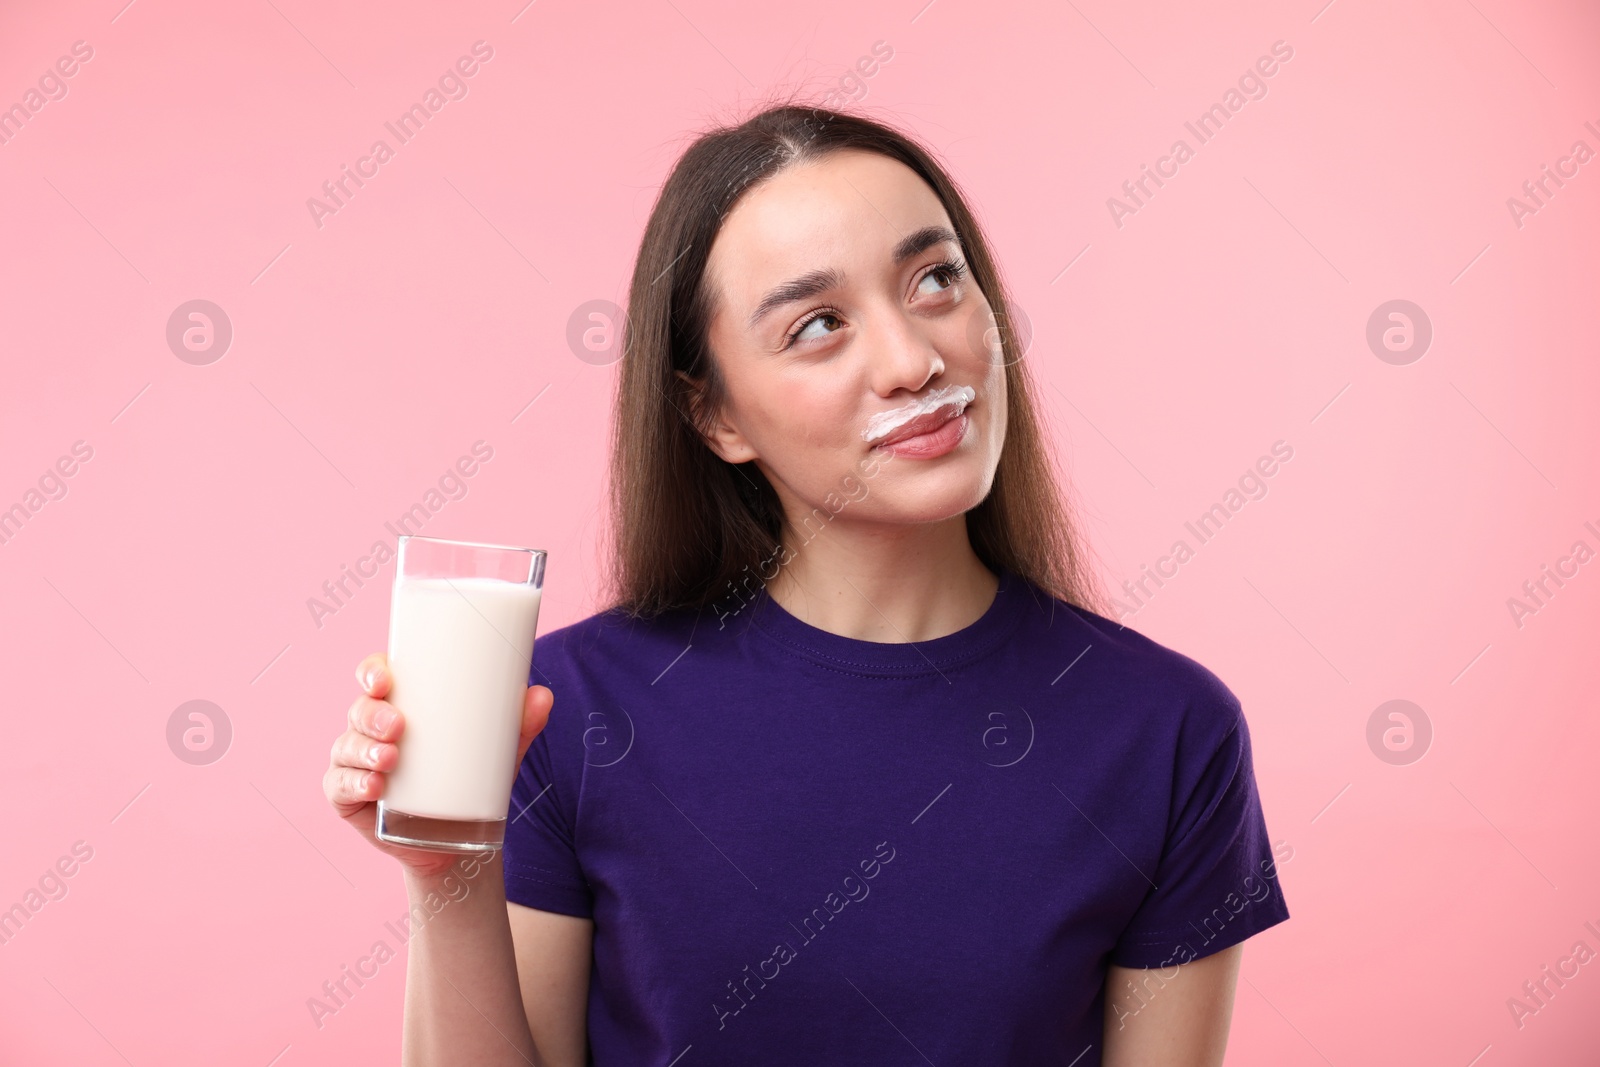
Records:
x=372, y=754
x=366, y=781
x=369, y=677
x=383, y=720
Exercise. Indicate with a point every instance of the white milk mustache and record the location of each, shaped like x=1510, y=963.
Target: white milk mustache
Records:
x=459, y=650
x=884, y=423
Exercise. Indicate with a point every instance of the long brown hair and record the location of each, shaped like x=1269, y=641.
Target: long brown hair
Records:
x=687, y=527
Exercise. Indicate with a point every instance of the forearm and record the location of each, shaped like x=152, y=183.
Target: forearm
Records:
x=462, y=1001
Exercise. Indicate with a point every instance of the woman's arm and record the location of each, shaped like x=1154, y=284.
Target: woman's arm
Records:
x=1181, y=1021
x=553, y=959
x=462, y=1001
x=489, y=982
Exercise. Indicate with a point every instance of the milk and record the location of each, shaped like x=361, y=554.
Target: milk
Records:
x=459, y=650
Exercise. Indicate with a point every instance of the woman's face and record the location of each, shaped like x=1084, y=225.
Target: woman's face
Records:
x=849, y=343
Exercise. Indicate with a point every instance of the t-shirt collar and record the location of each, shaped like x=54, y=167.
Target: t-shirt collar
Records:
x=853, y=655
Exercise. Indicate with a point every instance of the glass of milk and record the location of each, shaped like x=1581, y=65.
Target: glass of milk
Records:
x=461, y=625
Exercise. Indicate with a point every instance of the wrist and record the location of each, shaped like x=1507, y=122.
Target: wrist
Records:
x=466, y=873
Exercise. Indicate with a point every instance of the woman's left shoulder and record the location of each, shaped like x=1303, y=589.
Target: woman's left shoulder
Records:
x=1112, y=658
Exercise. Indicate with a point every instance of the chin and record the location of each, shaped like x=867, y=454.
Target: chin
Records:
x=933, y=495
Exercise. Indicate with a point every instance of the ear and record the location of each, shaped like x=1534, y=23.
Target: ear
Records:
x=724, y=438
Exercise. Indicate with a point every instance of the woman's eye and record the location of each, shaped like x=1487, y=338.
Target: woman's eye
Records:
x=945, y=273
x=807, y=333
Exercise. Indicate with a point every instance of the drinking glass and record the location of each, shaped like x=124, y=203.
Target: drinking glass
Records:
x=461, y=625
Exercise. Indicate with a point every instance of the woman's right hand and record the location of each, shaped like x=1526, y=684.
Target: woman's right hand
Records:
x=367, y=750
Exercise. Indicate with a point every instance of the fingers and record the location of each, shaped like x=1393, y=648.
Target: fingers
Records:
x=535, y=715
x=348, y=788
x=362, y=754
x=378, y=719
x=536, y=705
x=372, y=674
x=356, y=749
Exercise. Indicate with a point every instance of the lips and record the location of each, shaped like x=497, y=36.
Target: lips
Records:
x=933, y=444
x=919, y=416
x=924, y=423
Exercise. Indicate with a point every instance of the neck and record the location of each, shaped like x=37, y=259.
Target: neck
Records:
x=885, y=582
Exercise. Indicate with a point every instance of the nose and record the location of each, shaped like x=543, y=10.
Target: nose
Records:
x=902, y=355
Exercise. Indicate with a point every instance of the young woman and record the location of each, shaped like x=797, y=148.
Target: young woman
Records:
x=852, y=770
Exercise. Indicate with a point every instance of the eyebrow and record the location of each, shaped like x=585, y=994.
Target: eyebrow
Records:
x=814, y=282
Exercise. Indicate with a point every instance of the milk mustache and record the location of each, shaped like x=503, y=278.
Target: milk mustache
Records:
x=459, y=652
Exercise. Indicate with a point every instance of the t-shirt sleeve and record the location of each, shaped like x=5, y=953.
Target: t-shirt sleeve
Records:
x=540, y=855
x=1217, y=881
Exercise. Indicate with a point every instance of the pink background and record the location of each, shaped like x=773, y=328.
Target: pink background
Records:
x=368, y=354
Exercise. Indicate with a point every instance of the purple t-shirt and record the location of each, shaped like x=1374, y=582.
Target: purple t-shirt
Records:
x=803, y=848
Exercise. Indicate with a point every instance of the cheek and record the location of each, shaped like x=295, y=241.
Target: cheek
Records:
x=964, y=343
x=804, y=412
x=973, y=339
x=809, y=438
x=994, y=396
x=997, y=422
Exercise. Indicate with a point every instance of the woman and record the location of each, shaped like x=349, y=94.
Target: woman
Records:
x=852, y=771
